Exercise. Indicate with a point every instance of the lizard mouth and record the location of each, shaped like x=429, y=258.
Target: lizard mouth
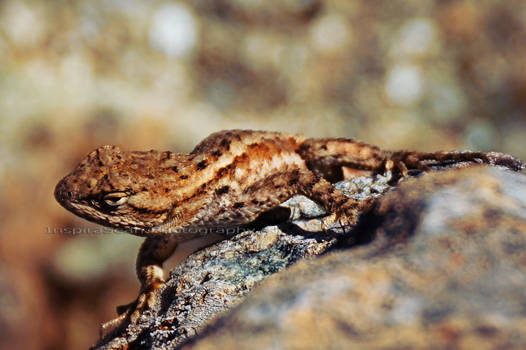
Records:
x=69, y=199
x=62, y=193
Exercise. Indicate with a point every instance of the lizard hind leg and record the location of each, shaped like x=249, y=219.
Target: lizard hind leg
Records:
x=344, y=210
x=326, y=157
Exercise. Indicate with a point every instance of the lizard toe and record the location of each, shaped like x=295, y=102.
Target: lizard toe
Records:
x=145, y=301
x=108, y=328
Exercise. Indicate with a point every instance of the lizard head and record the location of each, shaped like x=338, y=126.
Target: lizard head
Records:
x=122, y=190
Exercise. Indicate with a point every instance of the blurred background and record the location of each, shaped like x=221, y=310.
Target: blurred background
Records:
x=74, y=75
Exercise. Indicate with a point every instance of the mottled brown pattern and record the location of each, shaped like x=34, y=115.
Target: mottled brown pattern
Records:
x=229, y=179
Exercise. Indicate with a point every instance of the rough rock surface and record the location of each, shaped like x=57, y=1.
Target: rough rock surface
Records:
x=439, y=263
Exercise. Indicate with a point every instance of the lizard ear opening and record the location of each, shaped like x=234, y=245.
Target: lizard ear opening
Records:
x=116, y=198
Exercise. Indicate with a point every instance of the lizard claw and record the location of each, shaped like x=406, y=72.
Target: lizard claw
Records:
x=406, y=165
x=111, y=326
x=328, y=222
x=145, y=301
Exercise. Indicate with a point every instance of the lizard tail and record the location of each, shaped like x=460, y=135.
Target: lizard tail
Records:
x=327, y=157
x=424, y=161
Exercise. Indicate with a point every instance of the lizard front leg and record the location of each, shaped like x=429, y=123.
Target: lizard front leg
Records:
x=153, y=252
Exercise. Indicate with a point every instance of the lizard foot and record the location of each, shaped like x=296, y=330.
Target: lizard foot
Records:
x=338, y=222
x=405, y=167
x=131, y=313
x=347, y=215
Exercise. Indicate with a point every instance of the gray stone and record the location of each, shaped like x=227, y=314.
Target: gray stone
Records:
x=440, y=262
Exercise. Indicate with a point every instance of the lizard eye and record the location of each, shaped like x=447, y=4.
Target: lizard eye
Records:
x=116, y=198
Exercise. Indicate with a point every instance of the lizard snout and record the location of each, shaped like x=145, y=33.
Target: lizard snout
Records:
x=63, y=192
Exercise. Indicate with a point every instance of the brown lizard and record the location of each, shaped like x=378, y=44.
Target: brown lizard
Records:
x=229, y=179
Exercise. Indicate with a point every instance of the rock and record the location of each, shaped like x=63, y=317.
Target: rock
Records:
x=445, y=269
x=440, y=262
x=214, y=280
